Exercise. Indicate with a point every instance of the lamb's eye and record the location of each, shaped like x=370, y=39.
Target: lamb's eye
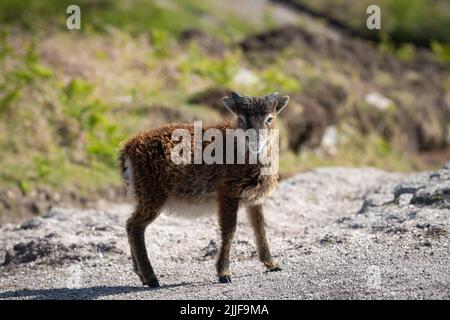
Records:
x=242, y=121
x=269, y=120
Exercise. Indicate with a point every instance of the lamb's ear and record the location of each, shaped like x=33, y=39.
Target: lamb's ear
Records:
x=236, y=96
x=230, y=104
x=282, y=102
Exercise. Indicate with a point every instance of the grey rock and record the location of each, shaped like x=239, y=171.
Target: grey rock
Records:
x=31, y=224
x=405, y=199
x=210, y=250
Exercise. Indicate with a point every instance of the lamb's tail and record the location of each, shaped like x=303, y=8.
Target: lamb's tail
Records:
x=123, y=164
x=126, y=171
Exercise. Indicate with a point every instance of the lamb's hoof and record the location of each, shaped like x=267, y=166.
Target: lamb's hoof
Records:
x=152, y=283
x=224, y=279
x=274, y=269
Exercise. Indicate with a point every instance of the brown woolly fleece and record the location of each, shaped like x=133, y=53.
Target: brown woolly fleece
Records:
x=156, y=182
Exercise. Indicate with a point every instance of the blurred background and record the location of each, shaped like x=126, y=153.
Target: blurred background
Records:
x=359, y=97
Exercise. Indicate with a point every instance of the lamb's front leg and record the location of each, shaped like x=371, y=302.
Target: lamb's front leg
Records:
x=255, y=214
x=228, y=209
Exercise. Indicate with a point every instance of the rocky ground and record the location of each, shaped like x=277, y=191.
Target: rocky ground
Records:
x=337, y=233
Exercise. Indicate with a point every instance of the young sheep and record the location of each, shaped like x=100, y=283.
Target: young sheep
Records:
x=157, y=182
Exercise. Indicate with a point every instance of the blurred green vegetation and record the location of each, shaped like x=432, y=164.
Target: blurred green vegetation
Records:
x=67, y=98
x=40, y=120
x=404, y=21
x=134, y=17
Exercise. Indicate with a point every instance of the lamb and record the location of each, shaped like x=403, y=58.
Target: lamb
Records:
x=158, y=182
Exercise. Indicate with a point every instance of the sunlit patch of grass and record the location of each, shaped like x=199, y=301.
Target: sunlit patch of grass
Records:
x=361, y=150
x=218, y=71
x=55, y=170
x=37, y=150
x=441, y=51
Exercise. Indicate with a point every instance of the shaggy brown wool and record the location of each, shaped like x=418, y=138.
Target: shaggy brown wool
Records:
x=156, y=182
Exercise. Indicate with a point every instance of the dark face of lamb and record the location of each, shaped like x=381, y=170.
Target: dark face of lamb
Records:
x=256, y=113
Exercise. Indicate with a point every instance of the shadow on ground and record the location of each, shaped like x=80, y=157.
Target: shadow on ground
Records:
x=89, y=293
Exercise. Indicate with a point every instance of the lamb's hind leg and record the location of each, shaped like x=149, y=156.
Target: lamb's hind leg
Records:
x=136, y=225
x=255, y=214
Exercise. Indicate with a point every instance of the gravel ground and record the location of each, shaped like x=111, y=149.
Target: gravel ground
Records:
x=337, y=233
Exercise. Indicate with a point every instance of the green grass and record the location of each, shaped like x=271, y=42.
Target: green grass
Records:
x=135, y=17
x=404, y=21
x=35, y=107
